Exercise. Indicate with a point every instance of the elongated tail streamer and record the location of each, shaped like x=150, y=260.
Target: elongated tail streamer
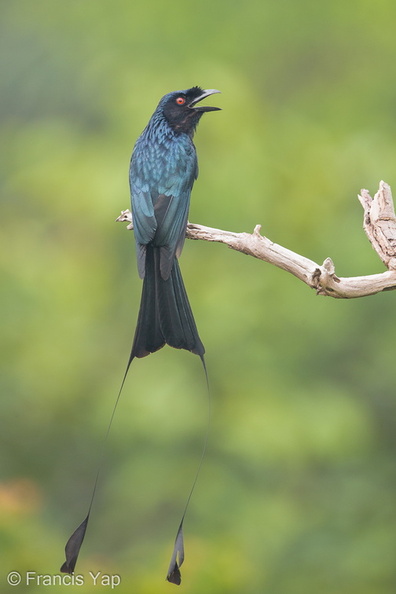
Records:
x=174, y=574
x=73, y=545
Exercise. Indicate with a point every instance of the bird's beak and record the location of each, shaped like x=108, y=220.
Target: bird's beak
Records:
x=206, y=93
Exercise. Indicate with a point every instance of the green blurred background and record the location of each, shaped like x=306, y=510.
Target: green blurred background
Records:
x=297, y=493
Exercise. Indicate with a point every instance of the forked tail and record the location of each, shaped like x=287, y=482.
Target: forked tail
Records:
x=165, y=317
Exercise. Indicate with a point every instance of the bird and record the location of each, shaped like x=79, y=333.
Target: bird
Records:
x=162, y=172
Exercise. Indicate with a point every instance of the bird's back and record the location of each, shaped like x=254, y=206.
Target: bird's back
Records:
x=162, y=173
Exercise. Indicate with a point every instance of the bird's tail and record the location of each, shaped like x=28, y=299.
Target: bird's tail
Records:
x=165, y=315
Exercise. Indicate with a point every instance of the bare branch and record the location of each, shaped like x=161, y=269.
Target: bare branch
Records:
x=379, y=225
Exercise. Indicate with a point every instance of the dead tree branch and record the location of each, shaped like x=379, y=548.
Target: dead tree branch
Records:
x=379, y=225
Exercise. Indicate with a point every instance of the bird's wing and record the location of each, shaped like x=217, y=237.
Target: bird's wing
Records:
x=171, y=214
x=161, y=182
x=144, y=222
x=172, y=206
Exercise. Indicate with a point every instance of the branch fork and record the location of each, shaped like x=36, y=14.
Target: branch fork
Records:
x=379, y=224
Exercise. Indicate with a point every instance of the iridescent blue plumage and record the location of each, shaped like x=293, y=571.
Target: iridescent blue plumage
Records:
x=163, y=169
x=162, y=173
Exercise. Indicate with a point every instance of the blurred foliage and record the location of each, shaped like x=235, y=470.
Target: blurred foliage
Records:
x=297, y=493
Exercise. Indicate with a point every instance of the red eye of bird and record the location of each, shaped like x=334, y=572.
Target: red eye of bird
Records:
x=180, y=101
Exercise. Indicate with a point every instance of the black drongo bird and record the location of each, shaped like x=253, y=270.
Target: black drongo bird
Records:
x=162, y=173
x=163, y=169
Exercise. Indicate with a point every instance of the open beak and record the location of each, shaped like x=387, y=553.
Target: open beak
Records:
x=206, y=93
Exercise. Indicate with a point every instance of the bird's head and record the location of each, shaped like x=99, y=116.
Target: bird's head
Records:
x=181, y=110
